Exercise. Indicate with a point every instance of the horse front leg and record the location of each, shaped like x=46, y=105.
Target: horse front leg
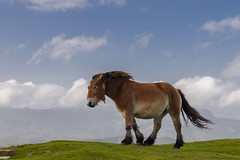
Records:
x=128, y=126
x=138, y=134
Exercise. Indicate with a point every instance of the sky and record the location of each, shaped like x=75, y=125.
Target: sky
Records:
x=50, y=49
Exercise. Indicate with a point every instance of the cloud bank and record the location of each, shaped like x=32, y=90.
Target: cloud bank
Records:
x=203, y=92
x=42, y=96
x=60, y=47
x=232, y=69
x=209, y=92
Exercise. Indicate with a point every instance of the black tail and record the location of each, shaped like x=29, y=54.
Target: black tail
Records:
x=192, y=114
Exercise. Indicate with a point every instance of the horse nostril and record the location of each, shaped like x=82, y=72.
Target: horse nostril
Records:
x=90, y=103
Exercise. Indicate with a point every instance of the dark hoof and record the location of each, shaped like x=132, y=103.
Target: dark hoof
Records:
x=140, y=144
x=150, y=141
x=176, y=147
x=179, y=143
x=126, y=141
x=140, y=141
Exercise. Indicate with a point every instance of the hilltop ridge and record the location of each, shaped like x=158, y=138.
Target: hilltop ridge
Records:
x=75, y=150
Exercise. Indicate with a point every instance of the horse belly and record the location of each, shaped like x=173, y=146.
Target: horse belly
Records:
x=149, y=111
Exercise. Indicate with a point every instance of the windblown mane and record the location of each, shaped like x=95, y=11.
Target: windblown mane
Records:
x=114, y=75
x=118, y=75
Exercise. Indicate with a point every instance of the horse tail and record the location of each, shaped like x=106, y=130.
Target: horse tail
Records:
x=192, y=114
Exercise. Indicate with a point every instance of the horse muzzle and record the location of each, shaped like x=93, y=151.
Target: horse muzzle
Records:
x=91, y=102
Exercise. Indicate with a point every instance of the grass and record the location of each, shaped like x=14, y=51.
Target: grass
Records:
x=76, y=150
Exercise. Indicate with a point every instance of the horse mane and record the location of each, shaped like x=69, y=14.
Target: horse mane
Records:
x=114, y=75
x=118, y=75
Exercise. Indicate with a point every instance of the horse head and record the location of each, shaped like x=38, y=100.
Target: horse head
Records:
x=96, y=90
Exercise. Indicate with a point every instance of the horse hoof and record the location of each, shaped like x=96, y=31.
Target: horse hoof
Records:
x=124, y=144
x=140, y=143
x=146, y=144
x=150, y=141
x=179, y=143
x=126, y=141
x=177, y=146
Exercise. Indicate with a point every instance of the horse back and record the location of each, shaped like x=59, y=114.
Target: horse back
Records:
x=148, y=97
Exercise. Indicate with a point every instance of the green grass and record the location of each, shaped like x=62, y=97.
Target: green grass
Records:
x=75, y=150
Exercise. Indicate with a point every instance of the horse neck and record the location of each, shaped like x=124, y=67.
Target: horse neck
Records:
x=112, y=88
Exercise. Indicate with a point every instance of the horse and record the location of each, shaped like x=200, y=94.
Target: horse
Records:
x=143, y=101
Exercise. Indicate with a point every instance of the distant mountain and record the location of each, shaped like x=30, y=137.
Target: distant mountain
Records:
x=23, y=126
x=221, y=129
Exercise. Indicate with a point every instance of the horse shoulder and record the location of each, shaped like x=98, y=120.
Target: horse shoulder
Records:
x=125, y=96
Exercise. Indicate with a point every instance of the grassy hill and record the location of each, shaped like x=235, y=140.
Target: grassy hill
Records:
x=75, y=150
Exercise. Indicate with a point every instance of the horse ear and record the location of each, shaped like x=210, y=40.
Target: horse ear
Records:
x=95, y=77
x=103, y=78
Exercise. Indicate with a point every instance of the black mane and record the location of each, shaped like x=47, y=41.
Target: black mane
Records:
x=114, y=75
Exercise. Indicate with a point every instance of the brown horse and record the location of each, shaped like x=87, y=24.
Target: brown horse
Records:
x=145, y=101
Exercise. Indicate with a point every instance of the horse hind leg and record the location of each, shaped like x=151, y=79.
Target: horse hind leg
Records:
x=138, y=134
x=156, y=127
x=177, y=125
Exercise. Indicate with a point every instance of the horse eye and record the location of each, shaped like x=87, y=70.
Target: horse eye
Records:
x=94, y=87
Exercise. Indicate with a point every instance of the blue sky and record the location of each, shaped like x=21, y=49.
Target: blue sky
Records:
x=56, y=46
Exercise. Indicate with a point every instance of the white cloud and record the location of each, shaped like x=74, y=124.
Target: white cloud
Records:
x=203, y=45
x=63, y=5
x=75, y=95
x=116, y=2
x=43, y=96
x=15, y=49
x=202, y=92
x=231, y=98
x=56, y=5
x=141, y=40
x=200, y=89
x=20, y=46
x=228, y=24
x=209, y=92
x=8, y=1
x=232, y=70
x=61, y=48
